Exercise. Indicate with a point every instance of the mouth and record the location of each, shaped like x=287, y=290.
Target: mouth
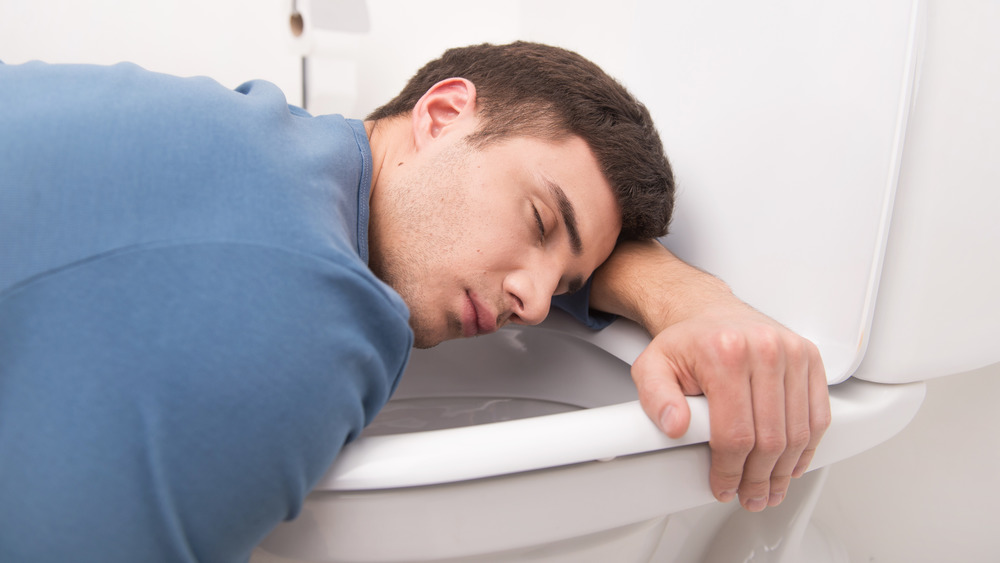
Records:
x=476, y=318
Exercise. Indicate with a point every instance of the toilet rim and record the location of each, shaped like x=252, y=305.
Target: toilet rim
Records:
x=864, y=414
x=500, y=448
x=591, y=434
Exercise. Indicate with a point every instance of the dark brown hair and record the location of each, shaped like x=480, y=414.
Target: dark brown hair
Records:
x=548, y=92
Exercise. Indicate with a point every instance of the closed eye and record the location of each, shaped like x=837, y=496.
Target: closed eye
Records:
x=541, y=226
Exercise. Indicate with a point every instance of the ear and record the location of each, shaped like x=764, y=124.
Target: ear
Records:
x=448, y=107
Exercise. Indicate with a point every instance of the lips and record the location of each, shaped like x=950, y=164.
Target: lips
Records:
x=477, y=318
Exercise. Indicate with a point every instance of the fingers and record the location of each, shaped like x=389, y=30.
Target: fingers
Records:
x=819, y=409
x=727, y=380
x=766, y=430
x=787, y=441
x=767, y=395
x=660, y=392
x=768, y=399
x=796, y=419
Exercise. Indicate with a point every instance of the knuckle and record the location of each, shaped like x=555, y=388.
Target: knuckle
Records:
x=727, y=478
x=730, y=346
x=768, y=346
x=738, y=441
x=648, y=383
x=819, y=422
x=642, y=360
x=798, y=437
x=796, y=350
x=771, y=444
x=813, y=358
x=779, y=483
x=751, y=486
x=803, y=464
x=640, y=368
x=812, y=350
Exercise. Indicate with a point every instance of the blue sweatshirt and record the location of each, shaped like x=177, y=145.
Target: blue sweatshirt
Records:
x=189, y=332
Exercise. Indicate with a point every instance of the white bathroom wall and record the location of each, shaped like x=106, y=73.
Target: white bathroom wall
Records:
x=927, y=495
x=407, y=34
x=230, y=40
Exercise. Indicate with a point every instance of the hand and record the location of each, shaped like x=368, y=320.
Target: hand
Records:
x=765, y=385
x=766, y=391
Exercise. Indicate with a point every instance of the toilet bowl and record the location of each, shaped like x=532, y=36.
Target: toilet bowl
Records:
x=786, y=130
x=529, y=445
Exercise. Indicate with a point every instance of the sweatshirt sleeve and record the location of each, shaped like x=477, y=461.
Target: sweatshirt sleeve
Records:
x=577, y=304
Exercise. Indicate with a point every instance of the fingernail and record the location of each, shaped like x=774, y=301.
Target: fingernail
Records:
x=667, y=418
x=775, y=499
x=756, y=504
x=727, y=495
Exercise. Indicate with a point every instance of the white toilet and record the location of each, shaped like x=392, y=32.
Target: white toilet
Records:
x=785, y=125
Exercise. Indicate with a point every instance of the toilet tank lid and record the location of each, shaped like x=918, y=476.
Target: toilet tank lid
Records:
x=785, y=129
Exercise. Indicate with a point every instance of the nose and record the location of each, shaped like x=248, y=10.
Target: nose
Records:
x=530, y=294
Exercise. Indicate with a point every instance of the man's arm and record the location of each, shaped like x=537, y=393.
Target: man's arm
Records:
x=765, y=385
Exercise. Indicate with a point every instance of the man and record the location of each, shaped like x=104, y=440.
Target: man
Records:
x=206, y=293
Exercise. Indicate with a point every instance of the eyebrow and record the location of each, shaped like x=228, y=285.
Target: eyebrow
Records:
x=569, y=217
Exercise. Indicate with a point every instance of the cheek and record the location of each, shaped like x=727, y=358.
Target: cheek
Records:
x=494, y=255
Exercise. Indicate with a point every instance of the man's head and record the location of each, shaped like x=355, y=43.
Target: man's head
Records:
x=487, y=200
x=540, y=91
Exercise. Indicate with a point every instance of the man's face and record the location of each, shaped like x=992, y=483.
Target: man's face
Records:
x=474, y=239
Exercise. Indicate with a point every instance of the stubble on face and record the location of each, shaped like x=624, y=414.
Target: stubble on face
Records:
x=417, y=229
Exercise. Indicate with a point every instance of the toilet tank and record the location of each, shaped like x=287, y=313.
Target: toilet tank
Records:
x=786, y=125
x=938, y=305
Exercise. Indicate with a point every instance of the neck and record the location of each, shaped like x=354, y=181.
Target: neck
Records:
x=388, y=141
x=390, y=144
x=378, y=150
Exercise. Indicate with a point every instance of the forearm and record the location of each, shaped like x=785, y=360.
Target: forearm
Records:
x=645, y=282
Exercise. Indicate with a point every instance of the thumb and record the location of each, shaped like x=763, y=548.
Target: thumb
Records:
x=660, y=393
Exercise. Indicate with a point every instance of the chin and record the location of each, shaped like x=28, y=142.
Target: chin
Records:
x=423, y=344
x=426, y=339
x=428, y=333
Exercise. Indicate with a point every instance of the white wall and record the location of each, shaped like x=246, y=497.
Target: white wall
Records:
x=406, y=34
x=928, y=494
x=230, y=40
